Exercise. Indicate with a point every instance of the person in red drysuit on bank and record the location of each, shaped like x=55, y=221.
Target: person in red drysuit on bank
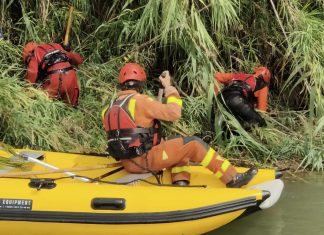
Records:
x=243, y=93
x=50, y=66
x=134, y=134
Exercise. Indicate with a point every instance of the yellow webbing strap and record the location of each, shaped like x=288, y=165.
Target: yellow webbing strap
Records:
x=131, y=107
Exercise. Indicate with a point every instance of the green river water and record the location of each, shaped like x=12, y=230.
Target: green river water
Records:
x=299, y=211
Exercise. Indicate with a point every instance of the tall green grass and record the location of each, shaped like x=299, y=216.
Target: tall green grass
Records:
x=193, y=39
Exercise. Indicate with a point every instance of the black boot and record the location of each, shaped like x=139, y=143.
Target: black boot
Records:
x=181, y=183
x=242, y=178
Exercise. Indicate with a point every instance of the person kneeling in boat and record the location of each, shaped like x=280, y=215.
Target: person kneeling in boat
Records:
x=51, y=67
x=243, y=93
x=134, y=134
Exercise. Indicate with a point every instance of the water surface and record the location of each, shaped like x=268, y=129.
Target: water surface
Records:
x=299, y=211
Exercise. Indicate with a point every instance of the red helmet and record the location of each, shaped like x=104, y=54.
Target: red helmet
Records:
x=28, y=49
x=131, y=71
x=264, y=72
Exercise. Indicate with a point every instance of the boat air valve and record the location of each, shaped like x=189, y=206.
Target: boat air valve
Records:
x=42, y=183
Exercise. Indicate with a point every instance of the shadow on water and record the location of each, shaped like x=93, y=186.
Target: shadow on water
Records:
x=299, y=211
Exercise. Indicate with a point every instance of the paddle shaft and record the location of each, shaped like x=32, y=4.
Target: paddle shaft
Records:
x=11, y=150
x=92, y=154
x=160, y=94
x=161, y=90
x=68, y=27
x=53, y=171
x=34, y=160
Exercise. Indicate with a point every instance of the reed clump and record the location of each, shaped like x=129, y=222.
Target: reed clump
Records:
x=192, y=39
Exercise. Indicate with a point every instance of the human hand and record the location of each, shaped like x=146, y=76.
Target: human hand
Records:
x=66, y=47
x=165, y=79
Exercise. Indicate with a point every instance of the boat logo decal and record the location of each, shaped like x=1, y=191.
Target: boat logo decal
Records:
x=14, y=204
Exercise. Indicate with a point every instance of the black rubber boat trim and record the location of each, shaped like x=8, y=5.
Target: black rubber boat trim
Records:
x=278, y=174
x=129, y=218
x=265, y=195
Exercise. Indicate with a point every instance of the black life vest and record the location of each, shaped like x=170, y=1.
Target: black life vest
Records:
x=246, y=89
x=125, y=139
x=240, y=85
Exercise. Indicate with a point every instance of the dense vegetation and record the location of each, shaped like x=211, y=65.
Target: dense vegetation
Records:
x=192, y=39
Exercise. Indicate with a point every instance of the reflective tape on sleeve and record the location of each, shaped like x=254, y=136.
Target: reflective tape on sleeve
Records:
x=174, y=100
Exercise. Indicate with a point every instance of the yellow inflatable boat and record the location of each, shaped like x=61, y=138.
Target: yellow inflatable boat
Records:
x=60, y=193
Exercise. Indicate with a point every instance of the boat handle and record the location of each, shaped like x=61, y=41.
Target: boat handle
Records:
x=108, y=203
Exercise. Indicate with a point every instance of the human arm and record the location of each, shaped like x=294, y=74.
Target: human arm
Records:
x=262, y=98
x=32, y=70
x=223, y=78
x=170, y=111
x=75, y=58
x=226, y=78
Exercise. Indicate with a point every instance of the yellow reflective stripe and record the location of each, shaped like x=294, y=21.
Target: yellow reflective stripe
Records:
x=165, y=155
x=208, y=157
x=103, y=113
x=219, y=174
x=179, y=169
x=131, y=107
x=226, y=164
x=175, y=100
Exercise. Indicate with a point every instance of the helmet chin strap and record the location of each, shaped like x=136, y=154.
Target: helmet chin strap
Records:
x=132, y=85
